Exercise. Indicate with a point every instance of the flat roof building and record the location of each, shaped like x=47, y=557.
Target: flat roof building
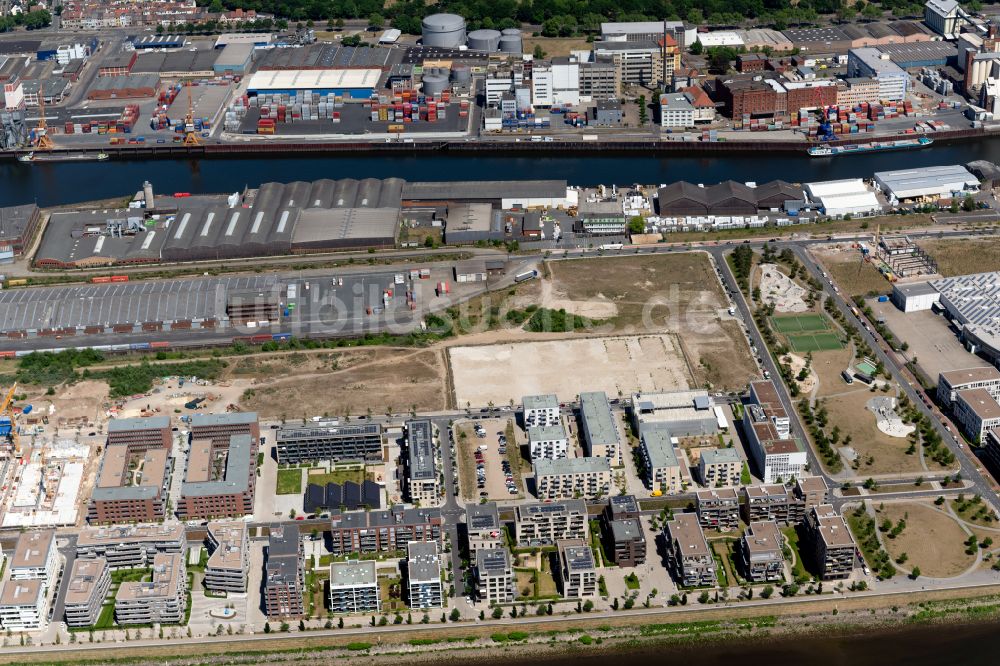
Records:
x=284, y=573
x=35, y=557
x=423, y=485
x=914, y=296
x=131, y=546
x=494, y=576
x=687, y=412
x=329, y=440
x=718, y=509
x=663, y=469
x=132, y=480
x=761, y=553
x=387, y=530
x=221, y=427
x=720, y=467
x=354, y=588
x=483, y=527
x=18, y=226
x=598, y=430
x=544, y=523
x=423, y=575
x=548, y=442
x=229, y=563
x=689, y=558
x=577, y=569
x=776, y=452
x=149, y=432
x=973, y=304
x=834, y=549
x=929, y=183
x=22, y=604
x=87, y=587
x=627, y=542
x=572, y=477
x=951, y=382
x=540, y=410
x=220, y=478
x=162, y=600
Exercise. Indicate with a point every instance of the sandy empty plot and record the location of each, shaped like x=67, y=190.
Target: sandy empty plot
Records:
x=851, y=274
x=961, y=257
x=932, y=539
x=615, y=365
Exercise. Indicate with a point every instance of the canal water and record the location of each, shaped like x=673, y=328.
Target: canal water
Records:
x=927, y=645
x=68, y=182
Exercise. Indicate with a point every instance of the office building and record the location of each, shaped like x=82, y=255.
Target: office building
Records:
x=354, y=588
x=720, y=467
x=718, y=509
x=140, y=434
x=383, y=531
x=687, y=412
x=221, y=427
x=598, y=428
x=328, y=440
x=87, y=587
x=642, y=62
x=132, y=479
x=544, y=523
x=423, y=575
x=598, y=79
x=760, y=552
x=220, y=478
x=572, y=477
x=162, y=600
x=663, y=469
x=22, y=604
x=494, y=576
x=549, y=442
x=540, y=410
x=35, y=557
x=976, y=411
x=423, y=485
x=229, y=562
x=131, y=546
x=867, y=62
x=950, y=383
x=284, y=574
x=833, y=547
x=689, y=558
x=482, y=524
x=577, y=569
x=626, y=541
x=676, y=111
x=777, y=454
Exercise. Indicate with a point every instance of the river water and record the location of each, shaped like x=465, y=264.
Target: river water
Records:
x=927, y=645
x=68, y=182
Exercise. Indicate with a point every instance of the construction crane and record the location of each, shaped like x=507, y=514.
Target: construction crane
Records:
x=191, y=137
x=7, y=410
x=42, y=139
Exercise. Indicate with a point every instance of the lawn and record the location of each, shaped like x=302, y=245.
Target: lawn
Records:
x=974, y=511
x=809, y=342
x=289, y=481
x=355, y=474
x=801, y=322
x=791, y=535
x=932, y=540
x=723, y=549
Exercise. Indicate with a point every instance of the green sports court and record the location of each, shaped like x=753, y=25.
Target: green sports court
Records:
x=800, y=323
x=808, y=342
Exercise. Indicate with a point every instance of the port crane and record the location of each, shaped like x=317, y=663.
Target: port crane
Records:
x=7, y=410
x=191, y=137
x=42, y=139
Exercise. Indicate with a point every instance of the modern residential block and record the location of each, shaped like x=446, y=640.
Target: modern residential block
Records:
x=718, y=509
x=626, y=541
x=329, y=440
x=952, y=382
x=381, y=531
x=663, y=469
x=132, y=480
x=422, y=477
x=163, y=600
x=833, y=545
x=577, y=569
x=423, y=575
x=811, y=491
x=720, y=467
x=540, y=410
x=771, y=502
x=544, y=523
x=494, y=576
x=760, y=552
x=284, y=573
x=87, y=587
x=229, y=563
x=354, y=588
x=35, y=557
x=572, y=477
x=221, y=427
x=22, y=604
x=130, y=547
x=549, y=442
x=482, y=524
x=220, y=478
x=689, y=558
x=598, y=427
x=140, y=434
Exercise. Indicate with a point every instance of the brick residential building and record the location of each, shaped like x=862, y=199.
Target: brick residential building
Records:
x=220, y=478
x=284, y=574
x=383, y=531
x=221, y=427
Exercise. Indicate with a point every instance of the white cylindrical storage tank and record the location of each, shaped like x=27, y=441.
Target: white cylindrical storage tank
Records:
x=510, y=41
x=484, y=40
x=435, y=84
x=461, y=74
x=444, y=30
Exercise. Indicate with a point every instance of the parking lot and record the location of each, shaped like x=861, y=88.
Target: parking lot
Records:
x=931, y=339
x=485, y=456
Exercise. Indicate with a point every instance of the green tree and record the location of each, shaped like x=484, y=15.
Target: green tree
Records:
x=968, y=204
x=745, y=479
x=697, y=48
x=538, y=53
x=637, y=225
x=376, y=20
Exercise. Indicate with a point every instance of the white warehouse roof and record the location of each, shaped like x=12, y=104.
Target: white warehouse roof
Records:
x=720, y=38
x=937, y=181
x=314, y=79
x=843, y=197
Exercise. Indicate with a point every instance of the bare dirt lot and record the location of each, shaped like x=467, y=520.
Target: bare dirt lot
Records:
x=555, y=46
x=853, y=276
x=932, y=540
x=616, y=365
x=878, y=453
x=343, y=382
x=961, y=257
x=827, y=366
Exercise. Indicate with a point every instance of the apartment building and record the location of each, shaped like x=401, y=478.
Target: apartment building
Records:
x=130, y=546
x=811, y=491
x=663, y=469
x=771, y=502
x=689, y=558
x=141, y=434
x=833, y=547
x=761, y=554
x=163, y=600
x=598, y=79
x=229, y=562
x=220, y=478
x=572, y=477
x=621, y=507
x=284, y=573
x=577, y=569
x=598, y=428
x=642, y=62
x=132, y=482
x=221, y=427
x=329, y=440
x=422, y=478
x=23, y=604
x=423, y=575
x=544, y=523
x=86, y=589
x=720, y=467
x=382, y=531
x=777, y=454
x=494, y=576
x=718, y=509
x=548, y=442
x=483, y=527
x=954, y=381
x=354, y=588
x=626, y=541
x=540, y=410
x=35, y=557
